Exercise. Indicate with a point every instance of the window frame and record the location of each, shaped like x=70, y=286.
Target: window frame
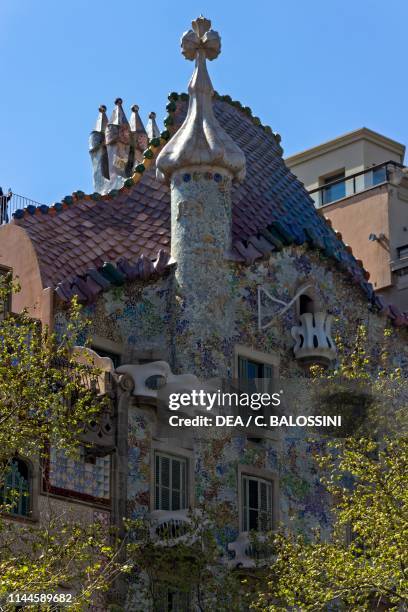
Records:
x=262, y=514
x=265, y=359
x=31, y=482
x=269, y=476
x=402, y=248
x=325, y=183
x=176, y=452
x=158, y=486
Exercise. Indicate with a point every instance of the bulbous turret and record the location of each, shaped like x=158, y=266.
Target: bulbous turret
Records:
x=201, y=140
x=200, y=162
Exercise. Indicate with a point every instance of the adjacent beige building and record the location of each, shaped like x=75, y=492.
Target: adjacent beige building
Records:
x=359, y=182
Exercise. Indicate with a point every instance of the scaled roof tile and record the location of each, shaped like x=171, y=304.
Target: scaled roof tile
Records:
x=136, y=222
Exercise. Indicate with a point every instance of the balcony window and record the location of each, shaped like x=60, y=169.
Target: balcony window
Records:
x=333, y=192
x=255, y=375
x=170, y=482
x=16, y=489
x=257, y=511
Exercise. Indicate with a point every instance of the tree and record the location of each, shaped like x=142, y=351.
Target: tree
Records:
x=186, y=558
x=46, y=398
x=364, y=564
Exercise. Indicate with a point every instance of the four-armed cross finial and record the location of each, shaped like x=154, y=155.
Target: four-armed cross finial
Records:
x=201, y=37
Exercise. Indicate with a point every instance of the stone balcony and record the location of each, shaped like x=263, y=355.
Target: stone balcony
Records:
x=250, y=551
x=313, y=342
x=172, y=527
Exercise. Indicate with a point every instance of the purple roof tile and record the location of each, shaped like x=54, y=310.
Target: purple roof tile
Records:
x=135, y=224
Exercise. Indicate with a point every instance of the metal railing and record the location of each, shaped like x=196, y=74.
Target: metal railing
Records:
x=10, y=202
x=354, y=183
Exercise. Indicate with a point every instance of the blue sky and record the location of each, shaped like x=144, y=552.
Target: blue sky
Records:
x=312, y=70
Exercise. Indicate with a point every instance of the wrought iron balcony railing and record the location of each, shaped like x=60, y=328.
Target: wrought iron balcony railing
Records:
x=10, y=202
x=355, y=183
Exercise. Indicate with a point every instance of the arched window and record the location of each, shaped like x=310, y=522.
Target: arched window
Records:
x=16, y=488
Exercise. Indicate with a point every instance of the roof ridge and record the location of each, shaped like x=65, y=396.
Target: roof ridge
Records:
x=97, y=279
x=149, y=154
x=174, y=97
x=155, y=144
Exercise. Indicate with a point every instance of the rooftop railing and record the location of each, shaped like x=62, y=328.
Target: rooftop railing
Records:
x=9, y=203
x=354, y=183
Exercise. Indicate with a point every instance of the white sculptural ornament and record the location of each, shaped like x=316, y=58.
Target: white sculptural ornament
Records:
x=201, y=141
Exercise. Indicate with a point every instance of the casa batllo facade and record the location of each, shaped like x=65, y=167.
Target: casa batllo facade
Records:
x=199, y=255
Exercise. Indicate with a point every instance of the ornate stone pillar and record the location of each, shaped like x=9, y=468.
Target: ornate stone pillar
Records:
x=200, y=162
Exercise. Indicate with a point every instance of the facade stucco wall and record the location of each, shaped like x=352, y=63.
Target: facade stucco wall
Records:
x=358, y=217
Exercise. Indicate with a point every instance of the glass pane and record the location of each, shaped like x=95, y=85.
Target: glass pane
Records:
x=165, y=498
x=253, y=520
x=175, y=474
x=245, y=504
x=334, y=192
x=165, y=471
x=253, y=493
x=264, y=497
x=253, y=369
x=379, y=176
x=184, y=485
x=157, y=470
x=242, y=368
x=175, y=500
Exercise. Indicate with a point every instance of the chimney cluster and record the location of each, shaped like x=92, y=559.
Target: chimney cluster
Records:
x=116, y=146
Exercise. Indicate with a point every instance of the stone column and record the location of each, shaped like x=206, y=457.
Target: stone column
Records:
x=200, y=162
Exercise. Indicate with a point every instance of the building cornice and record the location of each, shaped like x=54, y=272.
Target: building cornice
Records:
x=344, y=140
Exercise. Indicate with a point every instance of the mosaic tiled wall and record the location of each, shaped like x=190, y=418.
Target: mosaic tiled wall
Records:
x=141, y=317
x=136, y=315
x=77, y=475
x=302, y=499
x=150, y=317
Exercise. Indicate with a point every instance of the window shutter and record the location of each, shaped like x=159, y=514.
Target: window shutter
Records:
x=184, y=484
x=245, y=509
x=176, y=484
x=263, y=506
x=157, y=484
x=171, y=483
x=165, y=483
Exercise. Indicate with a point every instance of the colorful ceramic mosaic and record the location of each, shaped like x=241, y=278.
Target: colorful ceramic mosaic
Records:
x=79, y=475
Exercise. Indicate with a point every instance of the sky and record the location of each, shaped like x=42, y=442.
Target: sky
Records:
x=312, y=70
